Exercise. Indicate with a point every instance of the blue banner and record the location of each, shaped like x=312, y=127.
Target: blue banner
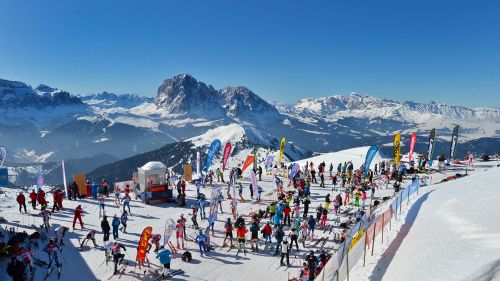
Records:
x=269, y=162
x=214, y=148
x=372, y=151
x=295, y=170
x=40, y=181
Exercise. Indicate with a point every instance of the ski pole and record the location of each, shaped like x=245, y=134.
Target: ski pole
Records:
x=64, y=259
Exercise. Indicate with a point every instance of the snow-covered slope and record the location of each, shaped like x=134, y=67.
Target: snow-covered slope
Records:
x=451, y=233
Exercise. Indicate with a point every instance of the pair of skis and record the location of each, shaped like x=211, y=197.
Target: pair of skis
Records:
x=49, y=271
x=170, y=274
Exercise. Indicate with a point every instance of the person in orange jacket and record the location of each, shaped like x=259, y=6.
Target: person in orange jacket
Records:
x=33, y=199
x=240, y=234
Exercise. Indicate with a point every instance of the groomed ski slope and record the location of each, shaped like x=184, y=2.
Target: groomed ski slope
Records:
x=452, y=232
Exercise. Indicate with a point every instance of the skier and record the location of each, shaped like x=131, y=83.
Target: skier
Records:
x=254, y=231
x=327, y=201
x=16, y=270
x=250, y=187
x=285, y=252
x=324, y=214
x=311, y=223
x=267, y=231
x=294, y=237
x=259, y=171
x=240, y=192
x=279, y=235
x=60, y=232
x=198, y=185
x=101, y=205
x=33, y=199
x=202, y=203
x=347, y=191
x=90, y=237
x=105, y=185
x=286, y=212
x=78, y=215
x=155, y=240
x=363, y=199
x=201, y=239
x=123, y=220
x=117, y=255
x=25, y=256
x=240, y=237
x=179, y=233
x=311, y=261
x=296, y=211
x=51, y=248
x=74, y=190
x=105, y=228
x=303, y=233
x=319, y=211
x=46, y=214
x=21, y=200
x=165, y=258
x=306, y=203
x=305, y=273
x=183, y=222
x=357, y=196
x=40, y=197
x=228, y=226
x=194, y=215
x=117, y=196
x=126, y=202
x=115, y=223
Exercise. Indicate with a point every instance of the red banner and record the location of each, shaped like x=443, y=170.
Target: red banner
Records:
x=143, y=243
x=227, y=152
x=413, y=140
x=248, y=162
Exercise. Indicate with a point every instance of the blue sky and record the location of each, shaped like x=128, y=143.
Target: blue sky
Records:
x=447, y=51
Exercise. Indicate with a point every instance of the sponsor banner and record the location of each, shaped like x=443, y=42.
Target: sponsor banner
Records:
x=282, y=150
x=225, y=157
x=454, y=142
x=397, y=148
x=295, y=170
x=169, y=230
x=370, y=154
x=430, y=151
x=269, y=162
x=143, y=243
x=40, y=181
x=413, y=141
x=248, y=162
x=255, y=187
x=212, y=151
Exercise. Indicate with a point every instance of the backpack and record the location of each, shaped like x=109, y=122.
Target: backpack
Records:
x=186, y=257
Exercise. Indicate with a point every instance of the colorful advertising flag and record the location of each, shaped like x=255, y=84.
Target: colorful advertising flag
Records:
x=430, y=152
x=295, y=170
x=227, y=152
x=454, y=141
x=64, y=178
x=413, y=140
x=40, y=181
x=282, y=150
x=143, y=243
x=397, y=148
x=169, y=230
x=247, y=163
x=216, y=192
x=255, y=187
x=370, y=154
x=3, y=154
x=269, y=162
x=198, y=163
x=214, y=148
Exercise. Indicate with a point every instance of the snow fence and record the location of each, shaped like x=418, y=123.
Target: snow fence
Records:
x=361, y=237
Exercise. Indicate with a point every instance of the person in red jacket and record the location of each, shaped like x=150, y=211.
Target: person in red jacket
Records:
x=21, y=200
x=267, y=232
x=286, y=211
x=54, y=198
x=40, y=197
x=87, y=189
x=78, y=215
x=33, y=199
x=240, y=237
x=59, y=198
x=183, y=186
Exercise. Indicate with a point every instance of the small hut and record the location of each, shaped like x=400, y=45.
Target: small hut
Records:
x=152, y=183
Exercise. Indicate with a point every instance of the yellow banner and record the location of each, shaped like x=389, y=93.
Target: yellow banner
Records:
x=397, y=148
x=356, y=238
x=282, y=149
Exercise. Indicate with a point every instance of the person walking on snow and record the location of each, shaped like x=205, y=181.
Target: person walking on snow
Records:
x=101, y=205
x=285, y=252
x=105, y=228
x=21, y=200
x=254, y=231
x=46, y=214
x=126, y=203
x=228, y=227
x=241, y=238
x=201, y=239
x=179, y=233
x=311, y=223
x=123, y=220
x=165, y=258
x=117, y=196
x=116, y=224
x=78, y=216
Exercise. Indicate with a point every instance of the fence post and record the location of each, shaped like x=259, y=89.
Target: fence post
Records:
x=390, y=224
x=400, y=201
x=373, y=237
x=364, y=251
x=408, y=201
x=396, y=210
x=383, y=227
x=347, y=264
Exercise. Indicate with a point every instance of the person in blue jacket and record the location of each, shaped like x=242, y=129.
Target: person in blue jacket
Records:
x=201, y=239
x=115, y=223
x=311, y=222
x=165, y=257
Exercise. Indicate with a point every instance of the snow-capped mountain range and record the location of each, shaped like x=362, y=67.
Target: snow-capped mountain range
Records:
x=44, y=124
